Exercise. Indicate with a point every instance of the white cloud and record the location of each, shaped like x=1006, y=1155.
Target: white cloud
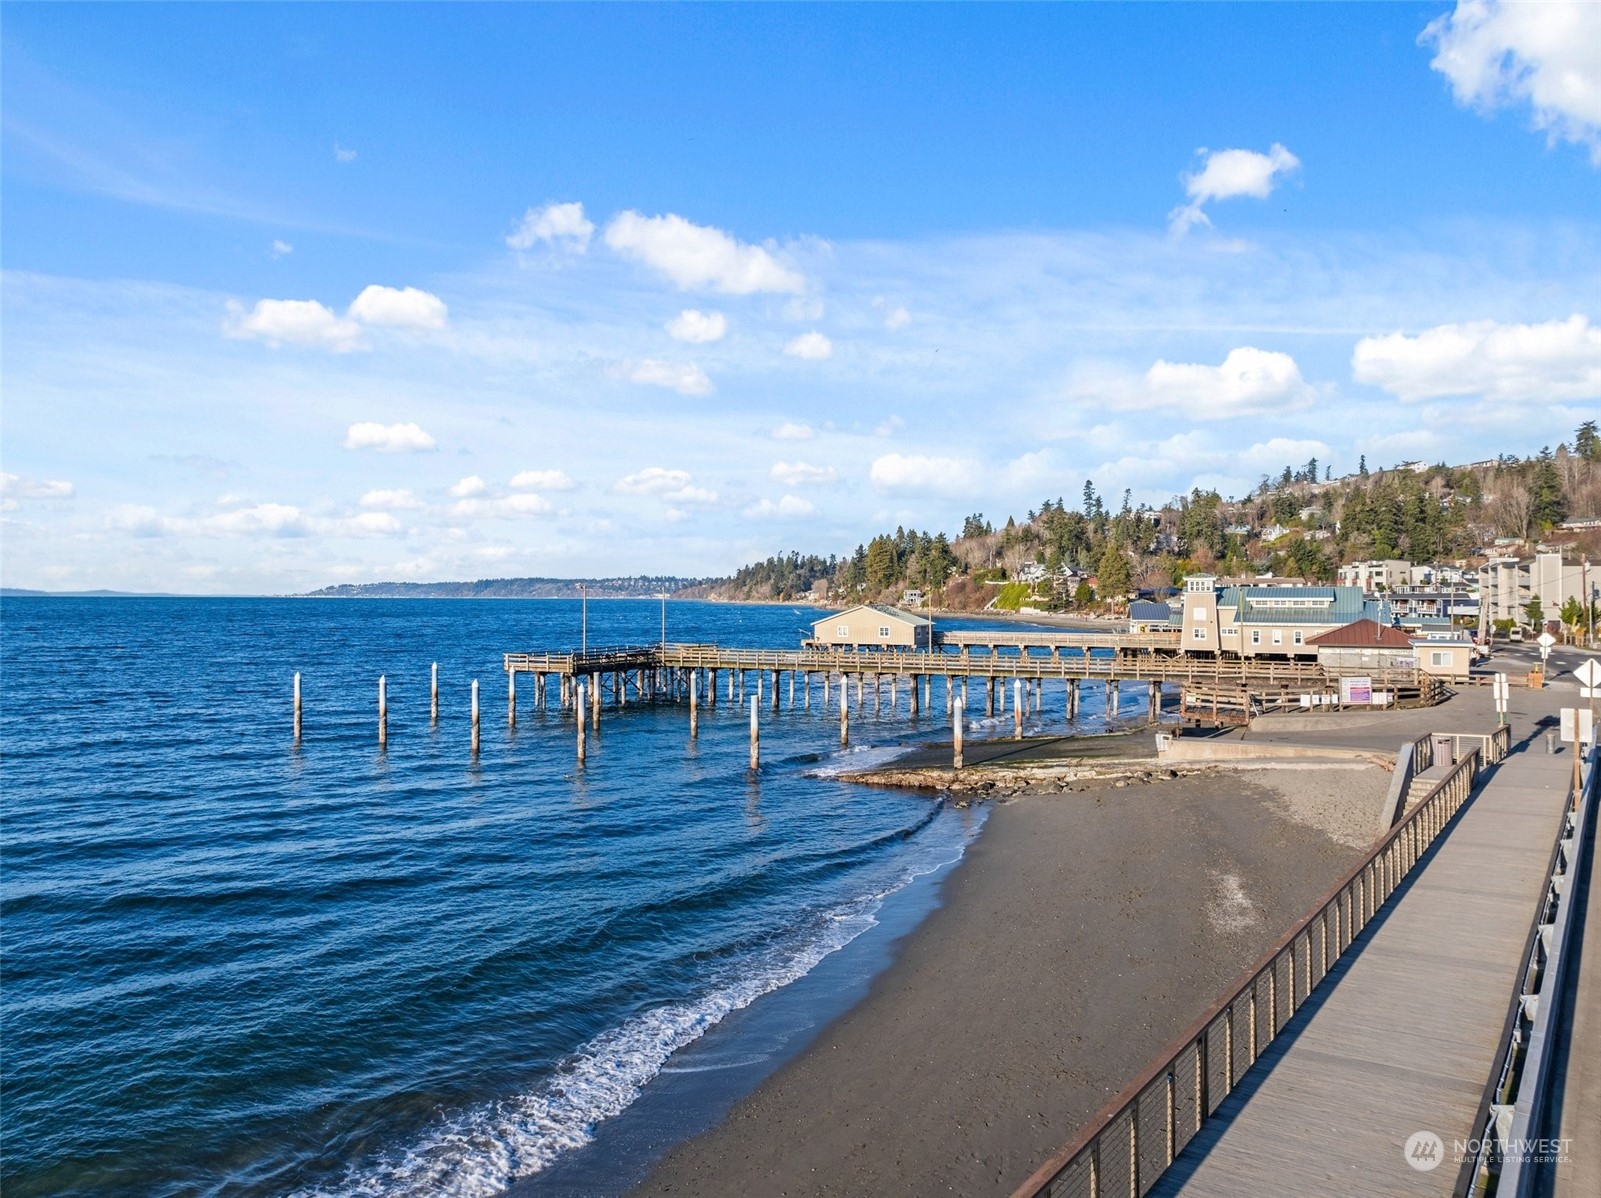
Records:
x=916, y=472
x=683, y=377
x=343, y=155
x=524, y=503
x=791, y=431
x=555, y=224
x=1226, y=174
x=363, y=524
x=675, y=486
x=395, y=500
x=699, y=256
x=13, y=487
x=897, y=318
x=388, y=438
x=399, y=307
x=812, y=346
x=281, y=248
x=1547, y=55
x=543, y=480
x=697, y=327
x=295, y=322
x=469, y=486
x=269, y=519
x=1250, y=382
x=790, y=507
x=1550, y=362
x=800, y=474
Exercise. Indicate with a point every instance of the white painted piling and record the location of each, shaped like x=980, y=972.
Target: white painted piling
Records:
x=594, y=702
x=694, y=717
x=1017, y=709
x=844, y=712
x=582, y=739
x=383, y=711
x=511, y=698
x=297, y=707
x=957, y=720
x=755, y=735
x=475, y=717
x=433, y=694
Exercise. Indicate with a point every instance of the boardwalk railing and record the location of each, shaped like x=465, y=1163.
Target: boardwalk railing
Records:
x=1127, y=1146
x=1513, y=1115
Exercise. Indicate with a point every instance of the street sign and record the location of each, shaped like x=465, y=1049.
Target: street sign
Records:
x=1590, y=692
x=1545, y=640
x=1578, y=723
x=1589, y=674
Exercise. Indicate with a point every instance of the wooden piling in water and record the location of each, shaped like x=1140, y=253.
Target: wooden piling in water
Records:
x=844, y=712
x=1017, y=708
x=383, y=712
x=950, y=690
x=755, y=735
x=791, y=690
x=989, y=697
x=511, y=698
x=914, y=696
x=956, y=735
x=694, y=721
x=297, y=707
x=775, y=690
x=475, y=717
x=433, y=694
x=594, y=702
x=806, y=687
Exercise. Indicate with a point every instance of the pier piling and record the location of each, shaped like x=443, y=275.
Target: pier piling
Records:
x=583, y=744
x=383, y=712
x=475, y=717
x=956, y=735
x=755, y=735
x=594, y=702
x=297, y=707
x=433, y=694
x=694, y=720
x=844, y=712
x=511, y=698
x=1017, y=709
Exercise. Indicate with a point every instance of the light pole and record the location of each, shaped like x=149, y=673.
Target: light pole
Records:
x=583, y=608
x=664, y=625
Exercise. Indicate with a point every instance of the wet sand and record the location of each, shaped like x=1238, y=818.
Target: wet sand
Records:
x=1081, y=934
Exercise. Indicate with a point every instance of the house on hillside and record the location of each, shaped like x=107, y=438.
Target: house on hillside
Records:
x=871, y=626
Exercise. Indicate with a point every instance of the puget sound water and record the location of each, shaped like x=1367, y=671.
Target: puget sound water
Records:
x=235, y=966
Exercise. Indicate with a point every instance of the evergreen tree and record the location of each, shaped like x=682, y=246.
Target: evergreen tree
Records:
x=1362, y=466
x=1113, y=575
x=1587, y=443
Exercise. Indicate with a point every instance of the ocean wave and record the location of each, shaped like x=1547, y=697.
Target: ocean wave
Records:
x=482, y=1150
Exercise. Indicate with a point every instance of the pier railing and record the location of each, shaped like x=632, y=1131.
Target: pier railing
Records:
x=1137, y=1136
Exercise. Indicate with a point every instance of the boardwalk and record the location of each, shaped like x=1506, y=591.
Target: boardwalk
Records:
x=1403, y=1035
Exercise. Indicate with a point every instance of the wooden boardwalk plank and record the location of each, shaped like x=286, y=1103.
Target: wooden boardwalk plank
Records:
x=1404, y=1035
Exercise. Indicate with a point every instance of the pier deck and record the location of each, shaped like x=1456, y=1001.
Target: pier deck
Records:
x=1126, y=664
x=1403, y=1035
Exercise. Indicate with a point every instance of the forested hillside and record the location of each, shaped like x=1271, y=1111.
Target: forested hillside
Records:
x=1297, y=524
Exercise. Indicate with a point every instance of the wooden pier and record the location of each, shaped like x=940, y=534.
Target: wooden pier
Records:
x=1213, y=689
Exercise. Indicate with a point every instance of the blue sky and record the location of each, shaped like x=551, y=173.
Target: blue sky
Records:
x=300, y=294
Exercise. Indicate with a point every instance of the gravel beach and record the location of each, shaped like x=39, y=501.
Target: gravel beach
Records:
x=1081, y=934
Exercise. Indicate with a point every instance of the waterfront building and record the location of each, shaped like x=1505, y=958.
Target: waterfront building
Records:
x=872, y=626
x=1508, y=584
x=1268, y=621
x=1364, y=645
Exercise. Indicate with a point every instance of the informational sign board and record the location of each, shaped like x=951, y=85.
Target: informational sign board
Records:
x=1578, y=724
x=1356, y=692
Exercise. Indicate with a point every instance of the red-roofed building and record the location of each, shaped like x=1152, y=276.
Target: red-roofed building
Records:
x=1364, y=645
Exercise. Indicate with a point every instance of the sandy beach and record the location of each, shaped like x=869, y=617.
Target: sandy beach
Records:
x=1080, y=935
